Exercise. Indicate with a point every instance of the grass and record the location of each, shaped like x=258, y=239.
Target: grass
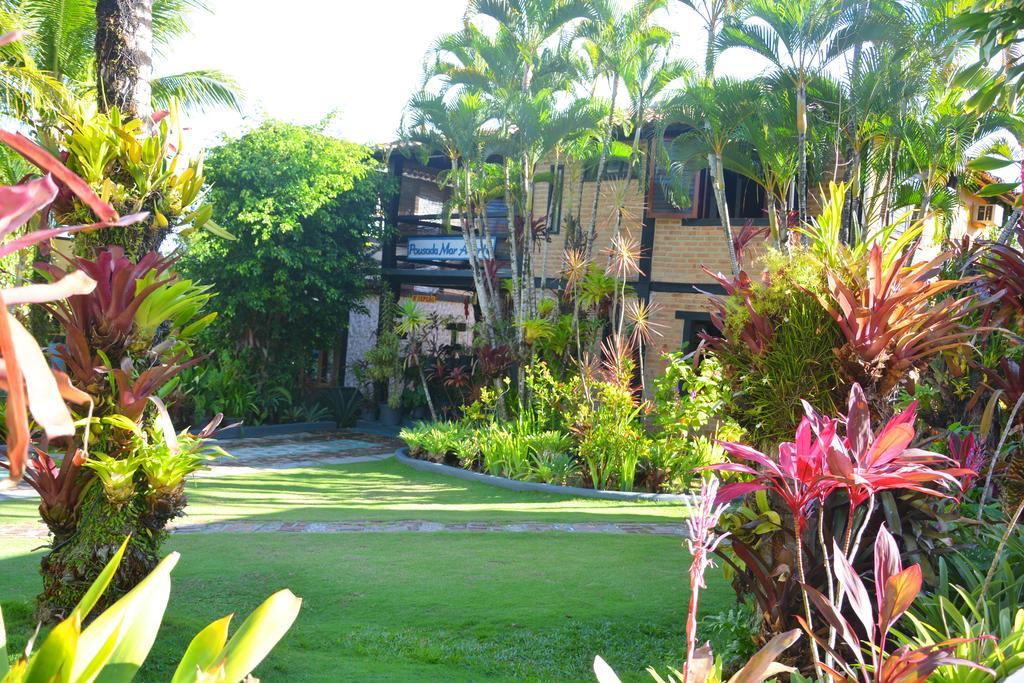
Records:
x=383, y=490
x=416, y=607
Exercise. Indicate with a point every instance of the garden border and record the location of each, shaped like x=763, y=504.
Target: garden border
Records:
x=402, y=455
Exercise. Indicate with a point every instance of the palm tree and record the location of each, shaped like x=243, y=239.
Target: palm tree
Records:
x=766, y=153
x=60, y=41
x=646, y=78
x=799, y=38
x=713, y=111
x=934, y=140
x=713, y=13
x=457, y=127
x=615, y=41
x=524, y=69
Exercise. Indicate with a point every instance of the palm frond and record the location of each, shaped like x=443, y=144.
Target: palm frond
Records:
x=199, y=90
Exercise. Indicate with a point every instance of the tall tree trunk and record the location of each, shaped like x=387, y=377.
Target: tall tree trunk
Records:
x=602, y=160
x=773, y=221
x=124, y=55
x=718, y=182
x=801, y=130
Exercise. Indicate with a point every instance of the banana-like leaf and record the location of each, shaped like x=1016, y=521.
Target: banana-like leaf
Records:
x=133, y=621
x=604, y=673
x=989, y=163
x=202, y=652
x=762, y=665
x=996, y=189
x=258, y=634
x=4, y=667
x=53, y=662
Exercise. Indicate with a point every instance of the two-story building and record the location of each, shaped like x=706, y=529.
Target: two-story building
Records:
x=426, y=261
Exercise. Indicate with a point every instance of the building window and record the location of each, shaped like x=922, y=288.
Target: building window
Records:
x=680, y=191
x=694, y=324
x=428, y=207
x=984, y=213
x=675, y=190
x=614, y=169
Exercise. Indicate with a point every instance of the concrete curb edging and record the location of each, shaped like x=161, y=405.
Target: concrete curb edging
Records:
x=402, y=455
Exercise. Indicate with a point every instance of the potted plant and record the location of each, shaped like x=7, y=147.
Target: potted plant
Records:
x=391, y=410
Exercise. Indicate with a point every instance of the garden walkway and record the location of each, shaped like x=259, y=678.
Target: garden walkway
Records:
x=264, y=454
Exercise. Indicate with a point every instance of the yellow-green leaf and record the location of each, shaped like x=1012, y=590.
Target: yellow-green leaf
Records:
x=258, y=635
x=133, y=622
x=202, y=651
x=54, y=660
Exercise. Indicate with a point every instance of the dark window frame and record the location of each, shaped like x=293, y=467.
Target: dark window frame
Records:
x=691, y=320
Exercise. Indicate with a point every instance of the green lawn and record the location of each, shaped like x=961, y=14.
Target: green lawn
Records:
x=416, y=607
x=383, y=490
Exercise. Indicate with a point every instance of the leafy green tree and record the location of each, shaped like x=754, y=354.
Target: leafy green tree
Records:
x=304, y=208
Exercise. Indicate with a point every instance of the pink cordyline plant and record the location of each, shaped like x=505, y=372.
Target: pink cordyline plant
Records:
x=863, y=463
x=895, y=591
x=820, y=461
x=702, y=541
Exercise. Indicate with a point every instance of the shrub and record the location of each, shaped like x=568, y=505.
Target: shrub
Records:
x=611, y=440
x=504, y=452
x=778, y=347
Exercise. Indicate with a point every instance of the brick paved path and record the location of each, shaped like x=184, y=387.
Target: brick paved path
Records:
x=308, y=450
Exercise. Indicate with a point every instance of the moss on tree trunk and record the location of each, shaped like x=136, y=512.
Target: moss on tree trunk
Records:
x=77, y=559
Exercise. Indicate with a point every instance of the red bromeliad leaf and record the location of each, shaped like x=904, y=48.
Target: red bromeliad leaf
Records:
x=44, y=398
x=39, y=157
x=8, y=38
x=18, y=203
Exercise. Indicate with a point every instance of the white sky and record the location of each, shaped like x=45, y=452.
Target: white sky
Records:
x=299, y=60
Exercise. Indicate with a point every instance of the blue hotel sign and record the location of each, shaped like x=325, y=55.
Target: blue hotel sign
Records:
x=435, y=248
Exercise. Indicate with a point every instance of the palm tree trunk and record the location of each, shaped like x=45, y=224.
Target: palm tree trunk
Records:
x=1007, y=231
x=801, y=130
x=773, y=220
x=426, y=390
x=602, y=160
x=718, y=182
x=124, y=55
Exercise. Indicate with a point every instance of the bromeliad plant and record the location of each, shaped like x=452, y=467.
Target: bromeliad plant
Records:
x=894, y=318
x=135, y=165
x=125, y=344
x=127, y=333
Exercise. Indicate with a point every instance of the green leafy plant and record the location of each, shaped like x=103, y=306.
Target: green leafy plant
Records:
x=114, y=645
